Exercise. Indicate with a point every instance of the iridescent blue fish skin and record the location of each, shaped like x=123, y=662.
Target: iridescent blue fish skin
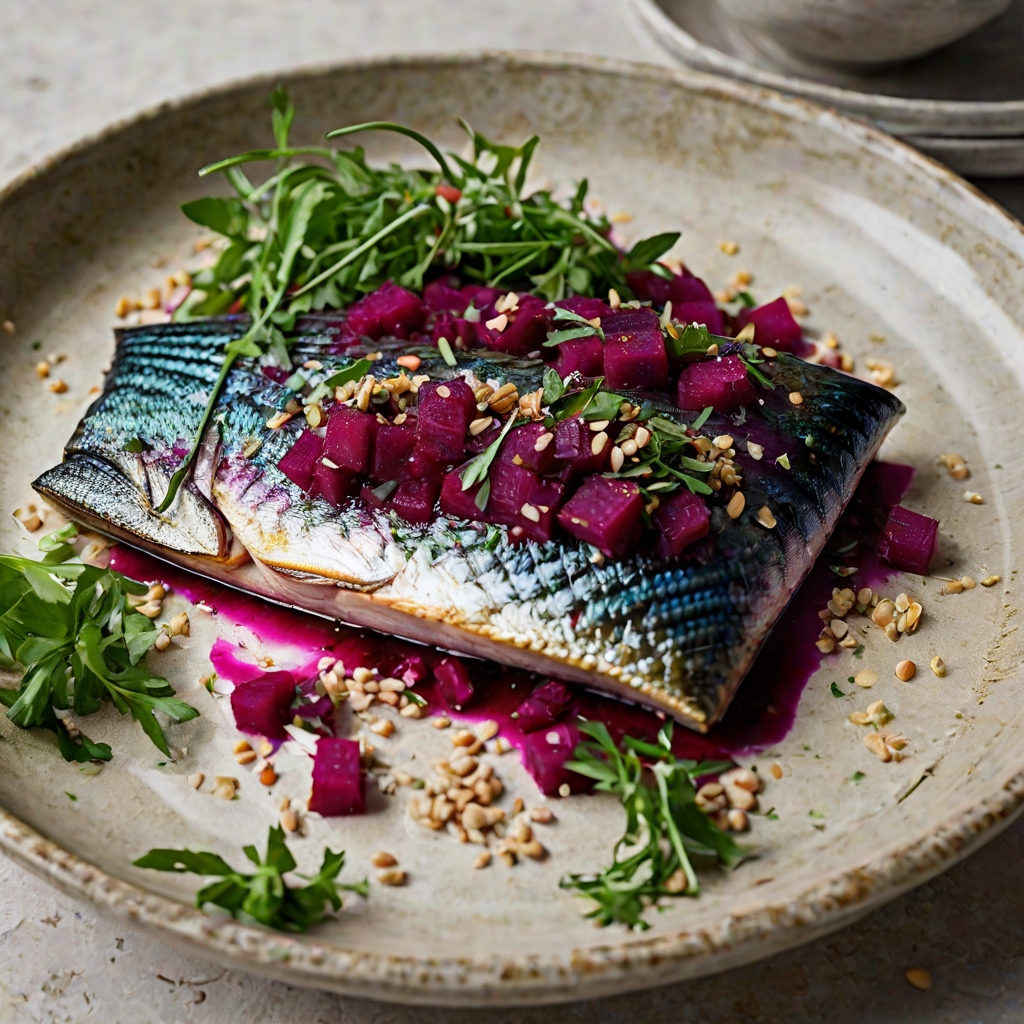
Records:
x=678, y=636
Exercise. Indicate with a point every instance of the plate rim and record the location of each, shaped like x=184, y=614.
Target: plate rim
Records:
x=901, y=115
x=625, y=962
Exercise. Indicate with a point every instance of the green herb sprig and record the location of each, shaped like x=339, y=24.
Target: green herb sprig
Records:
x=325, y=228
x=72, y=631
x=263, y=896
x=664, y=826
x=476, y=470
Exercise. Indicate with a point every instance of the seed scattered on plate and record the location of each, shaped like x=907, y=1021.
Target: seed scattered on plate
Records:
x=938, y=666
x=729, y=247
x=990, y=581
x=919, y=978
x=905, y=671
x=866, y=678
x=974, y=498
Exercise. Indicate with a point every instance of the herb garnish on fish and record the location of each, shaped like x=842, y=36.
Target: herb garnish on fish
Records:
x=263, y=896
x=74, y=630
x=319, y=235
x=664, y=825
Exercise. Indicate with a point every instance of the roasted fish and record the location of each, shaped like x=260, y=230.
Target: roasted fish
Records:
x=609, y=533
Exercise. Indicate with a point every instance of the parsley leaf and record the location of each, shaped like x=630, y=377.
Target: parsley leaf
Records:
x=664, y=826
x=836, y=692
x=263, y=896
x=74, y=631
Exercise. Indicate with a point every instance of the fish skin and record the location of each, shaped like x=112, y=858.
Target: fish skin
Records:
x=678, y=637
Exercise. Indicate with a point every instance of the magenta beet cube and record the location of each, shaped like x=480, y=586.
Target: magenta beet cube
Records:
x=459, y=333
x=333, y=485
x=520, y=448
x=681, y=520
x=685, y=287
x=544, y=754
x=634, y=350
x=526, y=330
x=453, y=681
x=580, y=355
x=459, y=503
x=392, y=450
x=721, y=382
x=543, y=706
x=606, y=513
x=574, y=449
x=338, y=779
x=350, y=437
x=390, y=310
x=262, y=707
x=774, y=326
x=512, y=487
x=445, y=410
x=909, y=540
x=440, y=297
x=589, y=308
x=706, y=313
x=481, y=297
x=299, y=462
x=539, y=524
x=414, y=500
x=410, y=670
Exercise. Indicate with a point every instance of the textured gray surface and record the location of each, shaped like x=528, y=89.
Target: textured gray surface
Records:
x=73, y=68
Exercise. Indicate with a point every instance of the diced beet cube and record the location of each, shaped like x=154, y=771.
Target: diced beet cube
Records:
x=521, y=443
x=774, y=325
x=278, y=374
x=338, y=779
x=685, y=287
x=512, y=487
x=481, y=297
x=606, y=513
x=332, y=484
x=909, y=540
x=634, y=350
x=427, y=463
x=369, y=498
x=527, y=327
x=445, y=410
x=706, y=313
x=544, y=754
x=543, y=706
x=299, y=462
x=440, y=297
x=410, y=670
x=574, y=449
x=461, y=334
x=453, y=681
x=589, y=308
x=721, y=382
x=262, y=707
x=681, y=520
x=546, y=500
x=459, y=503
x=395, y=443
x=349, y=440
x=390, y=310
x=414, y=500
x=580, y=355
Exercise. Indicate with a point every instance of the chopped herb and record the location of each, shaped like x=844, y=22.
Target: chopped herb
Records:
x=856, y=777
x=554, y=387
x=359, y=369
x=37, y=345
x=70, y=796
x=783, y=461
x=771, y=815
x=385, y=490
x=445, y=348
x=263, y=896
x=573, y=402
x=836, y=692
x=702, y=418
x=747, y=299
x=585, y=329
x=477, y=468
x=858, y=651
x=79, y=641
x=815, y=814
x=664, y=826
x=415, y=698
x=851, y=680
x=693, y=339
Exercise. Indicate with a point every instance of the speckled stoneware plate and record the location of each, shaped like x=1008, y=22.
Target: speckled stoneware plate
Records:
x=970, y=89
x=903, y=261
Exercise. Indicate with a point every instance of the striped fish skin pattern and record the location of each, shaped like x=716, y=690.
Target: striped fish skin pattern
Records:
x=678, y=636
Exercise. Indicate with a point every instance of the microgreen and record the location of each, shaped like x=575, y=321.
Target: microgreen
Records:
x=554, y=386
x=583, y=329
x=74, y=632
x=664, y=826
x=326, y=228
x=263, y=896
x=475, y=471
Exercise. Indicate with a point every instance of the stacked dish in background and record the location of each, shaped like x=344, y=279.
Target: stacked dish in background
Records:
x=962, y=104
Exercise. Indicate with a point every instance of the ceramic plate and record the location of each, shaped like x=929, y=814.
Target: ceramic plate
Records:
x=904, y=262
x=971, y=88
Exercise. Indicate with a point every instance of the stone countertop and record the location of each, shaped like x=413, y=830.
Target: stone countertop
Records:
x=70, y=68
